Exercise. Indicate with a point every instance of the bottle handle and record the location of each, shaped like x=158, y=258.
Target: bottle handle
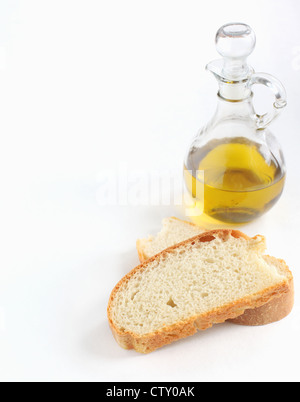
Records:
x=280, y=103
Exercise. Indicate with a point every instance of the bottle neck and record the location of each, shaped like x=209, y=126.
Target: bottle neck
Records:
x=234, y=91
x=231, y=108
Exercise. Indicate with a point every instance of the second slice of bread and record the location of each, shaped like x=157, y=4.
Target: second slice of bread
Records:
x=202, y=281
x=173, y=231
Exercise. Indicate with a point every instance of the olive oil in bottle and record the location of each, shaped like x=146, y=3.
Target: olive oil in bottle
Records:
x=239, y=184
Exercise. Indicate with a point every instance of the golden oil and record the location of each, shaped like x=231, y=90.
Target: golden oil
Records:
x=232, y=181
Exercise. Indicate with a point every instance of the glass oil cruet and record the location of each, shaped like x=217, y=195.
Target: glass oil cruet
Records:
x=235, y=167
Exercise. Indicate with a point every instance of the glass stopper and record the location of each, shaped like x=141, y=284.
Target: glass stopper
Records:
x=235, y=42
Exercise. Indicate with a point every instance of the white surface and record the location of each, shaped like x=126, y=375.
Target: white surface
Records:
x=87, y=86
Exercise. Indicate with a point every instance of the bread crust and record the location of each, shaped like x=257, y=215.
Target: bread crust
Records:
x=149, y=342
x=141, y=254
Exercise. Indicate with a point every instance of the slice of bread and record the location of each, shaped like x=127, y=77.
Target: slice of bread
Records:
x=202, y=281
x=175, y=231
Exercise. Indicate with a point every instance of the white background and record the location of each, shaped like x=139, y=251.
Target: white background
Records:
x=90, y=86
